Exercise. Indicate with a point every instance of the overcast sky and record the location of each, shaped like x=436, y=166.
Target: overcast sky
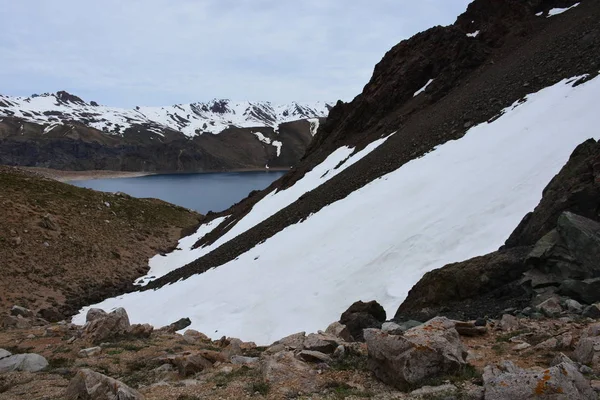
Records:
x=162, y=52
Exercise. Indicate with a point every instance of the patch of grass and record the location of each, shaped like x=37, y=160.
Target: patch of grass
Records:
x=18, y=350
x=499, y=349
x=507, y=336
x=61, y=349
x=467, y=373
x=222, y=379
x=351, y=362
x=260, y=388
x=188, y=397
x=60, y=362
x=342, y=390
x=114, y=352
x=255, y=352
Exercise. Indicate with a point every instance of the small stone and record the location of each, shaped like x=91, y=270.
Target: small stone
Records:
x=522, y=346
x=550, y=307
x=314, y=356
x=31, y=336
x=88, y=384
x=469, y=329
x=573, y=306
x=592, y=311
x=584, y=369
x=295, y=341
x=90, y=352
x=480, y=322
x=509, y=323
x=4, y=353
x=179, y=325
x=321, y=342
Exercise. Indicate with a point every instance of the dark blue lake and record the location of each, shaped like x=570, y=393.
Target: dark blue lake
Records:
x=201, y=192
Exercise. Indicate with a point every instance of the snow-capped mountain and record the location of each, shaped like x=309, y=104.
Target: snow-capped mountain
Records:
x=192, y=119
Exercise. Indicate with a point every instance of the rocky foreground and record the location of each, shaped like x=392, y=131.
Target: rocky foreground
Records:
x=512, y=357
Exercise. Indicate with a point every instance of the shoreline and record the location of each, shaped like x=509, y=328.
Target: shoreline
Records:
x=68, y=175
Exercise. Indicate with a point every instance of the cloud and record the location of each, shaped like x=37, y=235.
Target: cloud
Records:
x=157, y=52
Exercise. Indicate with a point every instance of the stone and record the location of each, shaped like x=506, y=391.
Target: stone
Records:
x=573, y=306
x=90, y=352
x=406, y=325
x=392, y=328
x=179, y=325
x=190, y=364
x=213, y=356
x=584, y=369
x=522, y=346
x=587, y=290
x=109, y=326
x=90, y=385
x=340, y=352
x=23, y=362
x=4, y=353
x=192, y=336
x=22, y=311
x=582, y=237
x=95, y=313
x=234, y=348
x=435, y=391
x=592, y=311
x=340, y=331
x=321, y=342
x=550, y=307
x=588, y=351
x=422, y=353
x=595, y=385
x=286, y=374
x=480, y=322
x=10, y=321
x=294, y=342
x=241, y=360
x=507, y=381
x=314, y=356
x=509, y=323
x=362, y=315
x=561, y=358
x=469, y=329
x=49, y=223
x=142, y=331
x=51, y=314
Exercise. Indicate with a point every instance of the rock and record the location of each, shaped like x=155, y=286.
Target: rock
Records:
x=234, y=348
x=49, y=223
x=107, y=327
x=10, y=321
x=51, y=314
x=241, y=360
x=22, y=311
x=469, y=329
x=550, y=308
x=592, y=311
x=584, y=369
x=286, y=374
x=436, y=392
x=179, y=325
x=480, y=322
x=314, y=356
x=587, y=290
x=563, y=381
x=392, y=328
x=340, y=352
x=191, y=364
x=90, y=385
x=582, y=238
x=142, y=331
x=94, y=313
x=573, y=306
x=23, y=362
x=4, y=353
x=295, y=341
x=362, y=315
x=509, y=323
x=588, y=351
x=214, y=356
x=561, y=358
x=522, y=346
x=192, y=336
x=321, y=342
x=339, y=330
x=90, y=352
x=424, y=352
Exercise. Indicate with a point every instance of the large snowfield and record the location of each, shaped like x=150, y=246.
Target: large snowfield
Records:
x=459, y=201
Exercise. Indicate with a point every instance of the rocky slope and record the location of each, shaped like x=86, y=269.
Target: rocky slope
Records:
x=62, y=246
x=62, y=131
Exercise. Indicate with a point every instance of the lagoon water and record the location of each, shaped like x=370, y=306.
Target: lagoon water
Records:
x=201, y=192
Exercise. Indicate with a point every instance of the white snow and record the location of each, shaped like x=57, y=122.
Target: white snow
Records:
x=473, y=35
x=314, y=125
x=461, y=200
x=190, y=119
x=418, y=92
x=275, y=143
x=539, y=14
x=556, y=11
x=51, y=126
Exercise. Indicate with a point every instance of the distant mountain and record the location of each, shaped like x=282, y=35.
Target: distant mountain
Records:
x=190, y=119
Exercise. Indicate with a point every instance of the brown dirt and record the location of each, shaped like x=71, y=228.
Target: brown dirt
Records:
x=95, y=245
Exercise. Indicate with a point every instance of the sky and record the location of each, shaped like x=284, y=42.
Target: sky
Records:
x=163, y=52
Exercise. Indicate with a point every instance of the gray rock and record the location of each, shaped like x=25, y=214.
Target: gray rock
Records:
x=592, y=311
x=424, y=352
x=23, y=362
x=321, y=342
x=234, y=348
x=179, y=325
x=339, y=330
x=90, y=385
x=90, y=352
x=561, y=358
x=588, y=351
x=582, y=237
x=190, y=364
x=509, y=323
x=392, y=328
x=469, y=329
x=406, y=325
x=192, y=336
x=286, y=374
x=295, y=341
x=434, y=391
x=573, y=306
x=142, y=331
x=361, y=315
x=340, y=352
x=314, y=356
x=109, y=326
x=587, y=290
x=563, y=381
x=241, y=360
x=4, y=353
x=550, y=308
x=22, y=311
x=94, y=313
x=584, y=369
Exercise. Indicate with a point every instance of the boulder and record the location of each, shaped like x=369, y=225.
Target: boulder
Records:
x=362, y=315
x=508, y=323
x=94, y=313
x=587, y=290
x=339, y=330
x=573, y=306
x=592, y=311
x=90, y=385
x=23, y=362
x=192, y=336
x=563, y=381
x=286, y=374
x=392, y=328
x=241, y=360
x=4, y=353
x=51, y=314
x=294, y=342
x=314, y=356
x=90, y=352
x=142, y=331
x=427, y=351
x=321, y=342
x=213, y=356
x=550, y=307
x=234, y=348
x=179, y=325
x=102, y=328
x=190, y=364
x=10, y=321
x=582, y=237
x=22, y=311
x=588, y=351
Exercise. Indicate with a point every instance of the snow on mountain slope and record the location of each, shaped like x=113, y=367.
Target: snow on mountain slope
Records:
x=461, y=200
x=190, y=119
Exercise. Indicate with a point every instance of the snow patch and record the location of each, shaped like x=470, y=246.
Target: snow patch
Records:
x=557, y=11
x=418, y=92
x=473, y=35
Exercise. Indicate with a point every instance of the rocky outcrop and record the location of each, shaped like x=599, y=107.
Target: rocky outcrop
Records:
x=101, y=328
x=507, y=381
x=427, y=351
x=362, y=315
x=90, y=385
